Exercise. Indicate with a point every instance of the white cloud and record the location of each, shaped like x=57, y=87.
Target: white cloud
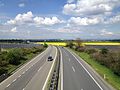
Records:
x=90, y=7
x=114, y=19
x=70, y=1
x=84, y=21
x=14, y=30
x=104, y=32
x=21, y=5
x=28, y=19
x=47, y=21
x=21, y=18
x=62, y=30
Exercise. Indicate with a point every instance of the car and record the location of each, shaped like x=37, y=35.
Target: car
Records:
x=50, y=58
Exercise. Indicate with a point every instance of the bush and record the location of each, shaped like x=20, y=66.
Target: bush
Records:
x=104, y=50
x=81, y=49
x=45, y=45
x=14, y=56
x=3, y=70
x=91, y=50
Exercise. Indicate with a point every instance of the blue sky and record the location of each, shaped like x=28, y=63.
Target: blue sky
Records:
x=60, y=19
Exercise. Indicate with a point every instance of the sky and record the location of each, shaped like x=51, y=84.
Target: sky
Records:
x=59, y=19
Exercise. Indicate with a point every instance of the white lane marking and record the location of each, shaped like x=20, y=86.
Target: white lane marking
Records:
x=44, y=86
x=86, y=70
x=73, y=68
x=39, y=69
x=61, y=69
x=23, y=72
x=14, y=80
x=69, y=59
x=23, y=88
x=81, y=89
x=24, y=66
x=8, y=85
x=19, y=76
x=27, y=69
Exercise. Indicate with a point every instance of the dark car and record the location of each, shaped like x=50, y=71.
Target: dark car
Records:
x=50, y=58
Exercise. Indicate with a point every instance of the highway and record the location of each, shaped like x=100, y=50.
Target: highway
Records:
x=32, y=75
x=77, y=75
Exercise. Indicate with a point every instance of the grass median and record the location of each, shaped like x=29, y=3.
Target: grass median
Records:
x=103, y=71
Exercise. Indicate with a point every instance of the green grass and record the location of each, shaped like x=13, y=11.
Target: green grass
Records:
x=111, y=78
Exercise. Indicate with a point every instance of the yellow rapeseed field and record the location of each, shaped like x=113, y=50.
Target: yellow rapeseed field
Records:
x=101, y=43
x=53, y=43
x=84, y=43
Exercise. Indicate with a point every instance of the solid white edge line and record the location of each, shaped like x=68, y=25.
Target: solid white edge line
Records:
x=43, y=88
x=86, y=70
x=24, y=66
x=61, y=69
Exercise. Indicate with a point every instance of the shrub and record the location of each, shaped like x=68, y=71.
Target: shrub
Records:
x=104, y=50
x=45, y=45
x=3, y=70
x=14, y=56
x=91, y=50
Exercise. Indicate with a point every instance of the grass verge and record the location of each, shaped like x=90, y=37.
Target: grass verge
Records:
x=111, y=78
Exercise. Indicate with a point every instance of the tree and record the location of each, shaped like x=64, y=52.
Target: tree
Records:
x=78, y=42
x=14, y=56
x=70, y=44
x=104, y=50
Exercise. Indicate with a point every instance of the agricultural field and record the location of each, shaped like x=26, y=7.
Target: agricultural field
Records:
x=101, y=43
x=84, y=43
x=53, y=43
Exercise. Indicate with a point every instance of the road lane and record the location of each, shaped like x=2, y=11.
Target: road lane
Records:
x=39, y=79
x=75, y=77
x=20, y=78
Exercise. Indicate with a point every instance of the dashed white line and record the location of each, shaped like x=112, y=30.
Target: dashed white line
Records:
x=19, y=76
x=73, y=68
x=23, y=72
x=14, y=80
x=23, y=88
x=39, y=69
x=69, y=59
x=26, y=70
x=86, y=71
x=81, y=89
x=8, y=85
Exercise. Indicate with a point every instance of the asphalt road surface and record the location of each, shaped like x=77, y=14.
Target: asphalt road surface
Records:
x=77, y=75
x=32, y=75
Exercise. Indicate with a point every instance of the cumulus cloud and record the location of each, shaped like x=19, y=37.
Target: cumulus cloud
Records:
x=21, y=18
x=14, y=30
x=104, y=32
x=114, y=19
x=70, y=1
x=90, y=7
x=21, y=5
x=63, y=30
x=29, y=18
x=47, y=21
x=84, y=21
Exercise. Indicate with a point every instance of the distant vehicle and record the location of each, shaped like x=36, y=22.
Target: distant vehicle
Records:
x=50, y=58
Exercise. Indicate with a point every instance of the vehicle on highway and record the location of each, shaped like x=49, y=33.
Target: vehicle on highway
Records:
x=50, y=58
